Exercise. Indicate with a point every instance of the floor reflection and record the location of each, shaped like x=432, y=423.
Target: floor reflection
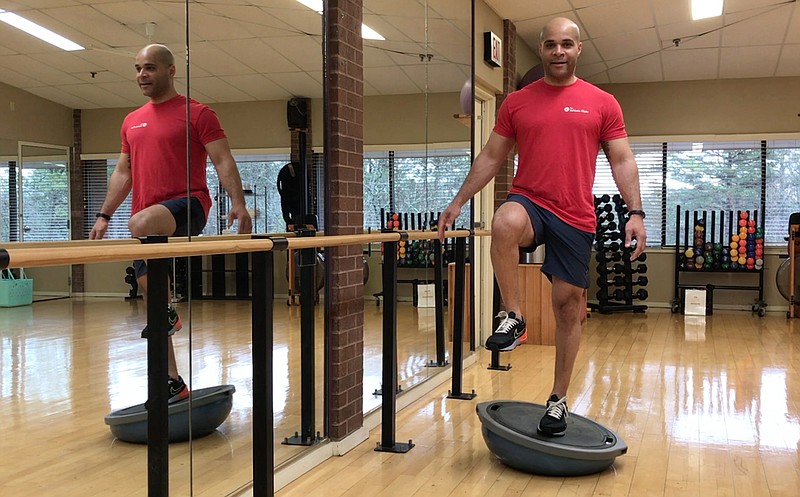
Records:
x=65, y=364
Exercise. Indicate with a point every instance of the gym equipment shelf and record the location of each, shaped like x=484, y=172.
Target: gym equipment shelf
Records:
x=614, y=266
x=710, y=252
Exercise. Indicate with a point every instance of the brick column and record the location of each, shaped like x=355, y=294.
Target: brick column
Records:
x=345, y=213
x=506, y=174
x=77, y=197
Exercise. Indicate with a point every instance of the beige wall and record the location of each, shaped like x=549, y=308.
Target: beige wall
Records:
x=527, y=57
x=489, y=77
x=26, y=117
x=388, y=120
x=715, y=107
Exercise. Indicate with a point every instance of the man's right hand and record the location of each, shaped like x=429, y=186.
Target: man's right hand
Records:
x=99, y=229
x=447, y=218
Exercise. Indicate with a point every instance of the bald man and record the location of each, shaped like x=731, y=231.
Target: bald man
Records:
x=153, y=166
x=559, y=123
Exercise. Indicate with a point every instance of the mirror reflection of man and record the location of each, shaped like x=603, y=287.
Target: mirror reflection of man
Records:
x=153, y=165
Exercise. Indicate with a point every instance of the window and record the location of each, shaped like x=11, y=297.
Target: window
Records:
x=96, y=176
x=716, y=176
x=259, y=178
x=649, y=158
x=782, y=188
x=7, y=213
x=729, y=176
x=45, y=200
x=406, y=182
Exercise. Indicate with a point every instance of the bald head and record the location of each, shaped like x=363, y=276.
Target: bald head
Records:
x=560, y=24
x=155, y=72
x=559, y=48
x=158, y=53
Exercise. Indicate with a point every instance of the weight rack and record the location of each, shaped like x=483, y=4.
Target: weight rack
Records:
x=712, y=244
x=617, y=288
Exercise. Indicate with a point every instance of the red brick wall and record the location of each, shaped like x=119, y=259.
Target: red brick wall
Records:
x=506, y=174
x=345, y=213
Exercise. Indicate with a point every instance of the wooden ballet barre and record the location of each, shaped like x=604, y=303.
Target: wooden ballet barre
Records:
x=39, y=254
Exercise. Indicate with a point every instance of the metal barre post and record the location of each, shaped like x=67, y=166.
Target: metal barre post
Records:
x=458, y=323
x=263, y=286
x=389, y=374
x=157, y=375
x=438, y=287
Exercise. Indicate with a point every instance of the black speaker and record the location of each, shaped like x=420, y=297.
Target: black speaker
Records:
x=297, y=113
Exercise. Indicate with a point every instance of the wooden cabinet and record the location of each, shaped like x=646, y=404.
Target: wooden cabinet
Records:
x=535, y=296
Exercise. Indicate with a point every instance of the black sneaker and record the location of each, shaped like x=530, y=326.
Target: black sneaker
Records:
x=177, y=390
x=554, y=421
x=510, y=333
x=174, y=322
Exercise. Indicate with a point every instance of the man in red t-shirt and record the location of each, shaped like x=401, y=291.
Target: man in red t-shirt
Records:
x=153, y=166
x=558, y=123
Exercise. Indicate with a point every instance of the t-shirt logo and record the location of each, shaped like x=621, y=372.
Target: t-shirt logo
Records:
x=573, y=109
x=140, y=125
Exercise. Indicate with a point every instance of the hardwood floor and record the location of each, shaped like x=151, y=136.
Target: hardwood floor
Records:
x=706, y=408
x=65, y=364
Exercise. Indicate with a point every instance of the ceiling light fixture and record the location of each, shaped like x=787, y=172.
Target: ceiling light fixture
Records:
x=703, y=9
x=40, y=32
x=367, y=32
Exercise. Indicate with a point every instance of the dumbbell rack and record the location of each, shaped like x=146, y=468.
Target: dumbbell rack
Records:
x=614, y=268
x=720, y=243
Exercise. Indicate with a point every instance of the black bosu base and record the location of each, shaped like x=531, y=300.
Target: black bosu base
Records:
x=210, y=407
x=509, y=429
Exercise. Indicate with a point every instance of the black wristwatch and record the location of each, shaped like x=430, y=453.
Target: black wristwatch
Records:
x=104, y=216
x=638, y=212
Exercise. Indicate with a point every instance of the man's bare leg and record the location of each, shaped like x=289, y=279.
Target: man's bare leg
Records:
x=567, y=303
x=511, y=229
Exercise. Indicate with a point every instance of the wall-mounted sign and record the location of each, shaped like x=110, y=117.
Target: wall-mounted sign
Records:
x=492, y=49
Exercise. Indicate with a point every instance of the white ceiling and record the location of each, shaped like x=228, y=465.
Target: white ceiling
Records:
x=629, y=41
x=240, y=50
x=246, y=50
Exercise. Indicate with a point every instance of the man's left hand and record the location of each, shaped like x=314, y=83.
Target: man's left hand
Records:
x=239, y=213
x=634, y=230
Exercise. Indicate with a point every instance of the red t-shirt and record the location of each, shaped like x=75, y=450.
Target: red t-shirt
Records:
x=154, y=136
x=558, y=130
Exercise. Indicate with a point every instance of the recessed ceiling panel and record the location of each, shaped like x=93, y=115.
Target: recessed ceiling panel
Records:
x=748, y=62
x=685, y=65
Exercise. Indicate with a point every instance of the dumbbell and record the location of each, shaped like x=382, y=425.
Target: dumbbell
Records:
x=641, y=281
x=607, y=217
x=602, y=198
x=604, y=208
x=640, y=294
x=641, y=268
x=618, y=281
x=628, y=251
x=609, y=257
x=619, y=294
x=614, y=235
x=618, y=268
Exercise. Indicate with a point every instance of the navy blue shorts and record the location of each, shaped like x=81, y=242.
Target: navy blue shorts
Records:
x=568, y=249
x=179, y=208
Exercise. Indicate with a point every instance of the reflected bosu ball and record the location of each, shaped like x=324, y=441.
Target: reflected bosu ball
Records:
x=509, y=430
x=209, y=408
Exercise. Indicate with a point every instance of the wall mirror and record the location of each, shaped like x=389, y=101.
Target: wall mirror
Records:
x=245, y=60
